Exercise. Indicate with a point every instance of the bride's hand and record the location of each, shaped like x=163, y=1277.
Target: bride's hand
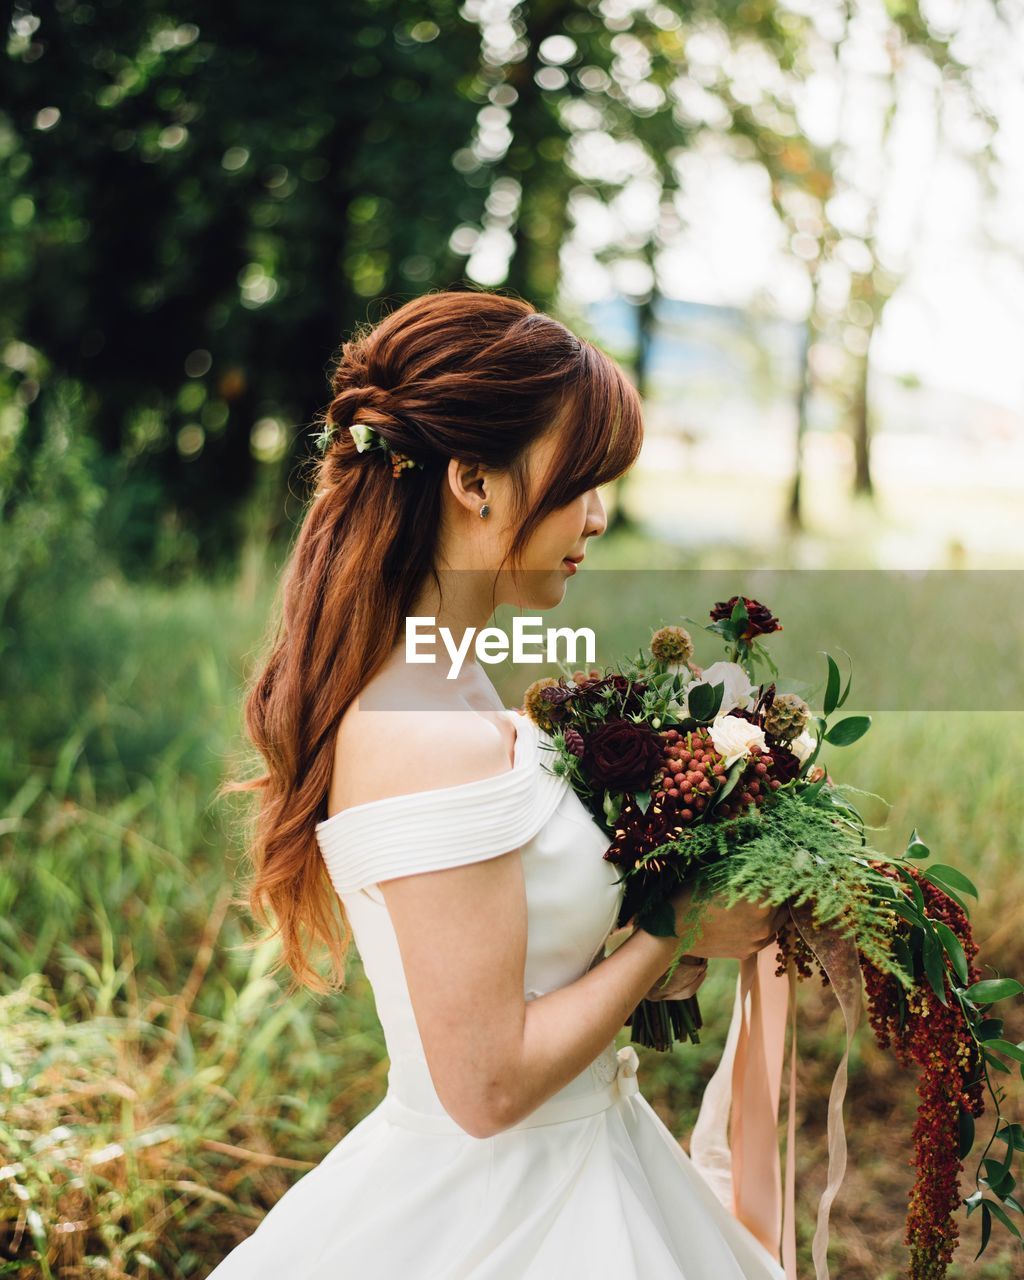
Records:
x=690, y=973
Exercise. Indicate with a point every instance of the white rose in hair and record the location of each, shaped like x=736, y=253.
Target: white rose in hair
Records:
x=734, y=737
x=362, y=433
x=802, y=745
x=737, y=685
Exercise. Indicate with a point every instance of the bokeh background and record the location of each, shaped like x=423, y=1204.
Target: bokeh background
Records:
x=799, y=227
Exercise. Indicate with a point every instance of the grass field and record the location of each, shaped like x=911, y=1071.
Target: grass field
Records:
x=160, y=1094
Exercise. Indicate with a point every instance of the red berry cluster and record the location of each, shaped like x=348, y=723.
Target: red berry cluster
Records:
x=791, y=946
x=694, y=771
x=936, y=1038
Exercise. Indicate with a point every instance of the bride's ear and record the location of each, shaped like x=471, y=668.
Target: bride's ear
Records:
x=470, y=483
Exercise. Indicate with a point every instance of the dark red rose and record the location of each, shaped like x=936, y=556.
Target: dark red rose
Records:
x=760, y=620
x=622, y=755
x=786, y=765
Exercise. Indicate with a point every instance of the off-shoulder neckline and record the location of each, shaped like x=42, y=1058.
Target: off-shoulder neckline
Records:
x=520, y=757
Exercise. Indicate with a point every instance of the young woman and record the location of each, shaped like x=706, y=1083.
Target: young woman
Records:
x=512, y=1143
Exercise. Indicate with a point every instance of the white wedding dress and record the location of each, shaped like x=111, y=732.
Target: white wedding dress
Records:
x=591, y=1183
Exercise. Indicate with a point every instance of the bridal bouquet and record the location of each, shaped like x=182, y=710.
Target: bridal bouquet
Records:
x=702, y=777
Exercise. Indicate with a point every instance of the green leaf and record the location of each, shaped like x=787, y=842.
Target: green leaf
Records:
x=905, y=908
x=995, y=1063
x=934, y=968
x=832, y=687
x=848, y=730
x=642, y=800
x=1003, y=1217
x=953, y=948
x=917, y=847
x=941, y=875
x=986, y=1227
x=1007, y=1049
x=810, y=793
x=989, y=990
x=705, y=700
x=731, y=778
x=901, y=1005
x=999, y=1177
x=989, y=1029
x=902, y=953
x=915, y=888
x=1013, y=1134
x=659, y=919
x=966, y=1133
x=849, y=681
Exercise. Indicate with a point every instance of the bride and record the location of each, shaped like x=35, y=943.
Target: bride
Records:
x=415, y=815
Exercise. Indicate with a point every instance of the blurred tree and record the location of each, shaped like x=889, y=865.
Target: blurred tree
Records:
x=203, y=200
x=834, y=173
x=201, y=203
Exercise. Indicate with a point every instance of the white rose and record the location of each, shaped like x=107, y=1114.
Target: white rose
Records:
x=803, y=745
x=362, y=433
x=734, y=737
x=737, y=685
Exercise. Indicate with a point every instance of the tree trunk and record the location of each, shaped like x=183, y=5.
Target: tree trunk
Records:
x=862, y=482
x=794, y=512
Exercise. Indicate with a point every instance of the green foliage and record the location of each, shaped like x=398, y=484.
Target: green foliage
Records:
x=798, y=852
x=50, y=496
x=206, y=207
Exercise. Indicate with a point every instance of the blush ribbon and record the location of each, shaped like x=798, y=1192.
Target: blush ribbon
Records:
x=625, y=1075
x=735, y=1141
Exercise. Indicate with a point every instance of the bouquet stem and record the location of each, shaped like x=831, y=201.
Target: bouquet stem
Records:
x=656, y=1023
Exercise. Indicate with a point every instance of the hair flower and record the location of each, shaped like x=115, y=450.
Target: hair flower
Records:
x=364, y=436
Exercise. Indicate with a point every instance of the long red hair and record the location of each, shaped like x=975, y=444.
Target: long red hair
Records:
x=476, y=375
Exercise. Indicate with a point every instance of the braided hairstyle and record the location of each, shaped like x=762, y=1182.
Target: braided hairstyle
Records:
x=472, y=374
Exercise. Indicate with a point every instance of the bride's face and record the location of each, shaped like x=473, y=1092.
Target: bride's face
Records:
x=538, y=580
x=560, y=537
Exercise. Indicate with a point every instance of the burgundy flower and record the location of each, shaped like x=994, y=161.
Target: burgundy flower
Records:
x=936, y=1038
x=760, y=620
x=574, y=742
x=622, y=755
x=785, y=765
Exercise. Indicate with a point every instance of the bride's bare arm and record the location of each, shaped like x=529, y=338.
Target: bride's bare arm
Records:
x=493, y=1055
x=462, y=933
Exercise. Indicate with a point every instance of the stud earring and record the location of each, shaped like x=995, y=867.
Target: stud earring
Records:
x=484, y=509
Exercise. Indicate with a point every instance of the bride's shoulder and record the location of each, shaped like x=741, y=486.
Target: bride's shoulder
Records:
x=381, y=752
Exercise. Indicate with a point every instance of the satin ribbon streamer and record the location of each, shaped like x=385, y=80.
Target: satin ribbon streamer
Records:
x=735, y=1143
